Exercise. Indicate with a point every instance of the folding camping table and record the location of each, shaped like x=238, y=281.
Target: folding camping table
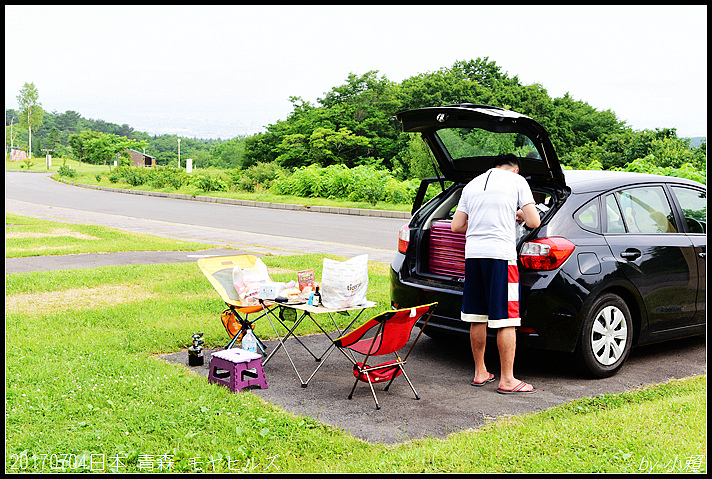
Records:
x=218, y=270
x=276, y=311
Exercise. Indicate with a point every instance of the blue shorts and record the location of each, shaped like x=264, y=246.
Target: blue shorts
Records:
x=491, y=292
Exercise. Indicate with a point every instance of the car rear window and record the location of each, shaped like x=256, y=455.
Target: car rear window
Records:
x=462, y=143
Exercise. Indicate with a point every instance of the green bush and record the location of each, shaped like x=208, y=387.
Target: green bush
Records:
x=207, y=182
x=307, y=182
x=118, y=174
x=362, y=183
x=400, y=192
x=263, y=173
x=648, y=165
x=176, y=177
x=368, y=184
x=259, y=175
x=339, y=180
x=136, y=176
x=65, y=170
x=159, y=177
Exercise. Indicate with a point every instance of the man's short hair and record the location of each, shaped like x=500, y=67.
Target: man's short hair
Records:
x=509, y=159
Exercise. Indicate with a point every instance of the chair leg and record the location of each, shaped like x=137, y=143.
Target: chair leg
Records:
x=262, y=346
x=391, y=381
x=410, y=383
x=373, y=391
x=351, y=394
x=232, y=342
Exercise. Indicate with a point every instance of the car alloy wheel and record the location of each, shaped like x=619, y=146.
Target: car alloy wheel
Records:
x=606, y=336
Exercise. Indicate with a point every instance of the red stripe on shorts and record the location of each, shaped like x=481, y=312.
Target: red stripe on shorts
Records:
x=513, y=303
x=512, y=273
x=513, y=309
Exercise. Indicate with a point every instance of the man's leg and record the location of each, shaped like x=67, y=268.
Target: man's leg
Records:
x=507, y=346
x=478, y=341
x=474, y=311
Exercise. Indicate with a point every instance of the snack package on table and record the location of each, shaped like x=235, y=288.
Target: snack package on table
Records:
x=306, y=281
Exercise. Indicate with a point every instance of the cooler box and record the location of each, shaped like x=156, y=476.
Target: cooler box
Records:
x=447, y=250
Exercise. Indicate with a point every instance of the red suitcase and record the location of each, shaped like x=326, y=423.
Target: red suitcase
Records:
x=447, y=250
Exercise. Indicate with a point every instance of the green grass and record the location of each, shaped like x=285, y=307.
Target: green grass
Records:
x=33, y=237
x=39, y=163
x=82, y=379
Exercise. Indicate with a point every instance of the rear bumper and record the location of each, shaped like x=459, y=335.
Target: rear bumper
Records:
x=546, y=322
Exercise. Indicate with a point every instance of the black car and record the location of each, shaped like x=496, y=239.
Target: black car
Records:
x=619, y=258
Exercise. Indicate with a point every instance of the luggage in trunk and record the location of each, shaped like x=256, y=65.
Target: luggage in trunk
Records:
x=447, y=250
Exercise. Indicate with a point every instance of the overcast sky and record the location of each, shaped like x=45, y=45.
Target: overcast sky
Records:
x=221, y=71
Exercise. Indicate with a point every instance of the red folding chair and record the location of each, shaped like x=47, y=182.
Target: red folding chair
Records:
x=384, y=334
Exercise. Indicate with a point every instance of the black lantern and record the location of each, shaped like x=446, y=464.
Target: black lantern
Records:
x=195, y=352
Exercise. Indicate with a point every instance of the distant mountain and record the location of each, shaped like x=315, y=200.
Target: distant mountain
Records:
x=696, y=141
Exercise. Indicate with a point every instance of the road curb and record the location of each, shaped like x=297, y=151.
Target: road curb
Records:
x=257, y=204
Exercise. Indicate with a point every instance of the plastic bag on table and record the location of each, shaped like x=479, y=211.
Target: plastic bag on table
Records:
x=344, y=284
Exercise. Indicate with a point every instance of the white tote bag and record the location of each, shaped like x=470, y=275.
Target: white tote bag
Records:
x=344, y=284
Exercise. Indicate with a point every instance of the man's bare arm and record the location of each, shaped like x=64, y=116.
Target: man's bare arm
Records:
x=531, y=215
x=459, y=222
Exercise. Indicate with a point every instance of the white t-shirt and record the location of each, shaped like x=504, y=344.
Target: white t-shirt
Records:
x=491, y=201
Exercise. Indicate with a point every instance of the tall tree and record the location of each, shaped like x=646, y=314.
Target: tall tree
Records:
x=106, y=146
x=10, y=117
x=78, y=143
x=68, y=121
x=31, y=111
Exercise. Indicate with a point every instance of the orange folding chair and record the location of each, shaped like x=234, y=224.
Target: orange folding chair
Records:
x=218, y=270
x=384, y=334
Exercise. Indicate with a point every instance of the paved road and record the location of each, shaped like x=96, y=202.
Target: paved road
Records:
x=261, y=230
x=441, y=372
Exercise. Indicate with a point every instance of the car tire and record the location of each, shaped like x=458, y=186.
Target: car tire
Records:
x=606, y=336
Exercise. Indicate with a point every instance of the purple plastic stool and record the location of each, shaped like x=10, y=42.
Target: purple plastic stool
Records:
x=243, y=368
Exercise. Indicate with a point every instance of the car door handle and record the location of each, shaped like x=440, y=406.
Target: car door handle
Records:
x=702, y=255
x=631, y=254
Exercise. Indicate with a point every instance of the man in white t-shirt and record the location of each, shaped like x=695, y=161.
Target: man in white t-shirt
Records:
x=489, y=207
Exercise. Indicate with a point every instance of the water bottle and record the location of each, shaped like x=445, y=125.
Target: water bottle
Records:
x=249, y=341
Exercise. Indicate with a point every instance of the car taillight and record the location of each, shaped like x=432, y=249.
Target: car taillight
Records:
x=403, y=239
x=545, y=254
